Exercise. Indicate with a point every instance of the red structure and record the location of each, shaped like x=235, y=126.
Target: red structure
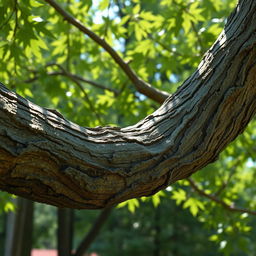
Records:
x=42, y=252
x=53, y=252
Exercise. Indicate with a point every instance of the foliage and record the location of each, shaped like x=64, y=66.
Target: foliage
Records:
x=45, y=222
x=163, y=230
x=48, y=61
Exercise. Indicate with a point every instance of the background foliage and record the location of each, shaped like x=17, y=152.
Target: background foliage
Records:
x=51, y=63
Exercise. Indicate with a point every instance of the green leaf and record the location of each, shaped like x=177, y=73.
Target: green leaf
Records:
x=136, y=9
x=179, y=196
x=186, y=24
x=9, y=207
x=103, y=4
x=156, y=199
x=132, y=204
x=194, y=205
x=27, y=92
x=35, y=3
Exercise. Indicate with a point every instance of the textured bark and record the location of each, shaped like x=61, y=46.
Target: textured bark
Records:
x=50, y=159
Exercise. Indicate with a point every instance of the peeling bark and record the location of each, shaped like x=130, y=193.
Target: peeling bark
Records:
x=49, y=159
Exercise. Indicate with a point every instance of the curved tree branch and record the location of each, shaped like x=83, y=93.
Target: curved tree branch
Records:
x=217, y=200
x=142, y=86
x=49, y=159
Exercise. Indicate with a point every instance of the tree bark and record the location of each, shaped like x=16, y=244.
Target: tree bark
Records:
x=49, y=159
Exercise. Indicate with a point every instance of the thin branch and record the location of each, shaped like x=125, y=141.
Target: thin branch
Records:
x=107, y=21
x=74, y=76
x=16, y=19
x=16, y=26
x=68, y=52
x=87, y=99
x=94, y=231
x=186, y=10
x=200, y=43
x=165, y=47
x=68, y=46
x=7, y=20
x=154, y=40
x=230, y=174
x=142, y=86
x=229, y=207
x=75, y=80
x=226, y=182
x=77, y=77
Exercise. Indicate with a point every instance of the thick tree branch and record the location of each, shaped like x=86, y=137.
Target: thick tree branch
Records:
x=49, y=159
x=230, y=207
x=142, y=86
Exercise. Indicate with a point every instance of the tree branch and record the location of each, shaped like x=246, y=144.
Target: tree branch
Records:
x=79, y=78
x=76, y=77
x=86, y=97
x=142, y=86
x=230, y=207
x=49, y=159
x=94, y=231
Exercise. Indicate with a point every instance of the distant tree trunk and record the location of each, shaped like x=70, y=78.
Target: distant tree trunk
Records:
x=19, y=235
x=9, y=233
x=3, y=229
x=65, y=231
x=46, y=158
x=157, y=233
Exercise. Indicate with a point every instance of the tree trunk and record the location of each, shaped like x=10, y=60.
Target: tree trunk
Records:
x=19, y=239
x=46, y=158
x=9, y=233
x=65, y=231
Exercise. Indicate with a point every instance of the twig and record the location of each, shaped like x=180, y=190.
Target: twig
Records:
x=16, y=19
x=217, y=200
x=74, y=76
x=165, y=47
x=16, y=26
x=198, y=37
x=81, y=88
x=87, y=99
x=7, y=20
x=75, y=80
x=142, y=86
x=68, y=45
x=230, y=174
x=200, y=43
x=154, y=40
x=225, y=182
x=107, y=22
